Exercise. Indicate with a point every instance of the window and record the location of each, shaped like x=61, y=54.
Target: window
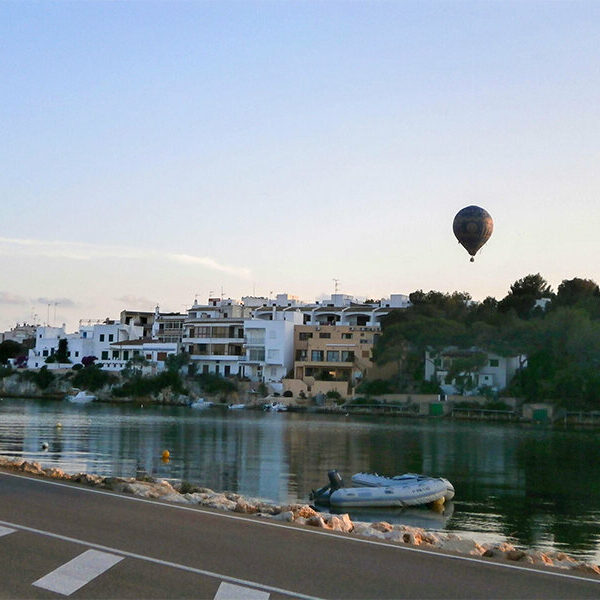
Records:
x=305, y=335
x=84, y=334
x=325, y=335
x=273, y=354
x=76, y=353
x=111, y=338
x=365, y=354
x=256, y=354
x=125, y=354
x=347, y=355
x=45, y=353
x=333, y=356
x=255, y=336
x=205, y=369
x=115, y=354
x=301, y=355
x=202, y=332
x=494, y=362
x=104, y=355
x=227, y=370
x=101, y=337
x=346, y=336
x=316, y=355
x=273, y=371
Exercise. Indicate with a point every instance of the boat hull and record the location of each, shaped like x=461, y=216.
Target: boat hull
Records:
x=425, y=491
x=408, y=479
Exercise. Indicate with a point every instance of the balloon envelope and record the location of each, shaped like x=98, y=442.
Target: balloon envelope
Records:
x=473, y=227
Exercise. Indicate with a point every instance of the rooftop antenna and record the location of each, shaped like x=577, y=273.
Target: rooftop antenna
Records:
x=48, y=314
x=54, y=320
x=335, y=285
x=221, y=292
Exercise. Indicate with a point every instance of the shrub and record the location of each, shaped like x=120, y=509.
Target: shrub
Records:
x=288, y=394
x=88, y=361
x=214, y=384
x=138, y=385
x=92, y=378
x=375, y=387
x=77, y=367
x=42, y=378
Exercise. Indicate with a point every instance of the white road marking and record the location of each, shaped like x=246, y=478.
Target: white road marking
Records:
x=227, y=591
x=6, y=531
x=300, y=530
x=164, y=563
x=78, y=572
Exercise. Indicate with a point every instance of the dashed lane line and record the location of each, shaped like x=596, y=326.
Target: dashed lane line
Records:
x=227, y=591
x=76, y=573
x=252, y=585
x=312, y=531
x=6, y=531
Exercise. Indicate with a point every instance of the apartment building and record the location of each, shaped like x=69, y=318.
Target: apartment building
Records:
x=333, y=353
x=213, y=335
x=269, y=347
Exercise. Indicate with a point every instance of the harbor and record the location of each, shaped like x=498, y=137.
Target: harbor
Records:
x=524, y=484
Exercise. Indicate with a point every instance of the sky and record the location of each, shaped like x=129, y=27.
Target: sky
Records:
x=154, y=152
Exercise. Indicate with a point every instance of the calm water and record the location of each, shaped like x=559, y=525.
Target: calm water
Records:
x=533, y=486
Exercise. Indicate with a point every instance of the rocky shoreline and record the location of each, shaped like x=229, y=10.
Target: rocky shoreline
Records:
x=303, y=514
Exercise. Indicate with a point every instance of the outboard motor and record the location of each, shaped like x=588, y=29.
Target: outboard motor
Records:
x=335, y=480
x=321, y=496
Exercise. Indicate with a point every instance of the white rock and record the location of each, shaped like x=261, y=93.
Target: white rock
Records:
x=462, y=546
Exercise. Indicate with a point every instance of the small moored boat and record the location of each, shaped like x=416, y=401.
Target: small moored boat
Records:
x=275, y=407
x=201, y=403
x=409, y=490
x=80, y=397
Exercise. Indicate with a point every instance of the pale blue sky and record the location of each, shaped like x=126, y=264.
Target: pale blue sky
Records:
x=154, y=150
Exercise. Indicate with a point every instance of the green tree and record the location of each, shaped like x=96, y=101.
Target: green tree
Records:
x=10, y=349
x=523, y=294
x=62, y=354
x=175, y=362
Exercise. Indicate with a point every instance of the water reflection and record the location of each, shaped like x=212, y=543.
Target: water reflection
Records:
x=533, y=486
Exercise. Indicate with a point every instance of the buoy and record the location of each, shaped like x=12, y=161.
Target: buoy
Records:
x=438, y=505
x=59, y=425
x=166, y=454
x=44, y=445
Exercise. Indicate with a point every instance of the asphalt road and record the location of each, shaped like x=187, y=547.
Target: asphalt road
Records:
x=59, y=539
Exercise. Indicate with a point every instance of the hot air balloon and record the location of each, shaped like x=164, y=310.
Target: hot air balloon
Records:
x=472, y=227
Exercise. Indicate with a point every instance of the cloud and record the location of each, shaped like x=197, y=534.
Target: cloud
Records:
x=130, y=300
x=63, y=302
x=8, y=298
x=82, y=251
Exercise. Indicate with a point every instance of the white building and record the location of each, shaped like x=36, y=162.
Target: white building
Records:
x=269, y=347
x=153, y=351
x=213, y=336
x=497, y=373
x=91, y=340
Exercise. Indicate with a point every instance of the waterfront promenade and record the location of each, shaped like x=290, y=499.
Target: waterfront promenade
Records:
x=63, y=539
